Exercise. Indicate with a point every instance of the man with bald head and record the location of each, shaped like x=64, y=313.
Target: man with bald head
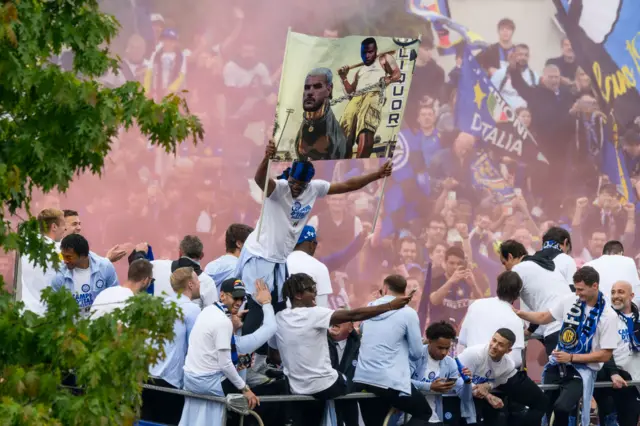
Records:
x=625, y=364
x=320, y=136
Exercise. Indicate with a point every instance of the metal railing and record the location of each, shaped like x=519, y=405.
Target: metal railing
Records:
x=299, y=398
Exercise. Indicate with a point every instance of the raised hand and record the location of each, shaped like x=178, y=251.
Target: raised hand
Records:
x=262, y=295
x=270, y=151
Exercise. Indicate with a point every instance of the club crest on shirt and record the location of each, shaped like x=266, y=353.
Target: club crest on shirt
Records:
x=298, y=212
x=100, y=283
x=86, y=288
x=488, y=373
x=432, y=375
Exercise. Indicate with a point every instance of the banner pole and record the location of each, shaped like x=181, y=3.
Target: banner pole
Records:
x=384, y=185
x=289, y=112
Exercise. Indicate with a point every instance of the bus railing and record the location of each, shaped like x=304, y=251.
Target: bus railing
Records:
x=238, y=403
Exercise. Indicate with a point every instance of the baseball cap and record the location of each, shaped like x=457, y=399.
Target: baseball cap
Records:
x=235, y=287
x=308, y=234
x=170, y=34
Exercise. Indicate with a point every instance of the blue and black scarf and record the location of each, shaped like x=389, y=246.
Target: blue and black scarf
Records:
x=633, y=327
x=578, y=329
x=234, y=350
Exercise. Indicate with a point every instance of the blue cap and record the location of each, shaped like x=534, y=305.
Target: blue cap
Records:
x=170, y=34
x=308, y=234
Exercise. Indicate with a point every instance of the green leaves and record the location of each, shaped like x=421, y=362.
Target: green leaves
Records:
x=53, y=125
x=109, y=362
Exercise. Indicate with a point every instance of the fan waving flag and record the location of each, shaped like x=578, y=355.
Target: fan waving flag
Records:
x=605, y=36
x=450, y=33
x=482, y=112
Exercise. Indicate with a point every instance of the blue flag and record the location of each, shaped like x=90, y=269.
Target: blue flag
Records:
x=409, y=185
x=613, y=164
x=486, y=176
x=605, y=36
x=482, y=112
x=450, y=33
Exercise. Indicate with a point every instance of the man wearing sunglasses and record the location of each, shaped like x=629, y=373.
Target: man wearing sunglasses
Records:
x=286, y=212
x=215, y=359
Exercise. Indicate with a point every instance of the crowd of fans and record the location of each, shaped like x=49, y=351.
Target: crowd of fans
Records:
x=448, y=257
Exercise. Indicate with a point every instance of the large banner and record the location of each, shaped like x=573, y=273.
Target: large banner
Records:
x=342, y=98
x=606, y=38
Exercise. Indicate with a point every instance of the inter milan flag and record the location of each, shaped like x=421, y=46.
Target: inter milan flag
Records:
x=450, y=33
x=408, y=186
x=605, y=36
x=482, y=112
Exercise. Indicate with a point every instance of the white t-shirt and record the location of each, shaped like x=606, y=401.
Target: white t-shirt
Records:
x=34, y=279
x=484, y=317
x=210, y=334
x=299, y=261
x=622, y=355
x=82, y=289
x=162, y=285
x=304, y=349
x=110, y=299
x=606, y=336
x=540, y=290
x=566, y=266
x=614, y=268
x=236, y=76
x=484, y=369
x=283, y=219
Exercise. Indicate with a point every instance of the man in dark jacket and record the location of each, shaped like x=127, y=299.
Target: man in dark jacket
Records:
x=344, y=347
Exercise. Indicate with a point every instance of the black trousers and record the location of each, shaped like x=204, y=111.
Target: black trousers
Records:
x=347, y=413
x=272, y=414
x=311, y=413
x=624, y=402
x=563, y=402
x=161, y=407
x=374, y=411
x=550, y=342
x=519, y=389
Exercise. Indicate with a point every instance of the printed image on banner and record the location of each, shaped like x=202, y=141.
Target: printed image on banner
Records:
x=606, y=38
x=342, y=98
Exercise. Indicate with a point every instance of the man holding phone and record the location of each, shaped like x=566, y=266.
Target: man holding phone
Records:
x=455, y=290
x=437, y=373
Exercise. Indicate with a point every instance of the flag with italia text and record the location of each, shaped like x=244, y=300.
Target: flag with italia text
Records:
x=482, y=112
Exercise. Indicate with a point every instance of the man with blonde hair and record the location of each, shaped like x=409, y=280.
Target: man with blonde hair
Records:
x=163, y=407
x=33, y=278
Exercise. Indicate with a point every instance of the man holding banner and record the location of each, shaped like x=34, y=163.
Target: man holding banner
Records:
x=287, y=205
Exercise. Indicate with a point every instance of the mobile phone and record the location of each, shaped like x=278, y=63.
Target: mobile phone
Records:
x=450, y=380
x=412, y=292
x=245, y=361
x=451, y=195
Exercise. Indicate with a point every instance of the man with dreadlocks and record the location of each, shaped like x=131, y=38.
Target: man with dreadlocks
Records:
x=301, y=337
x=286, y=211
